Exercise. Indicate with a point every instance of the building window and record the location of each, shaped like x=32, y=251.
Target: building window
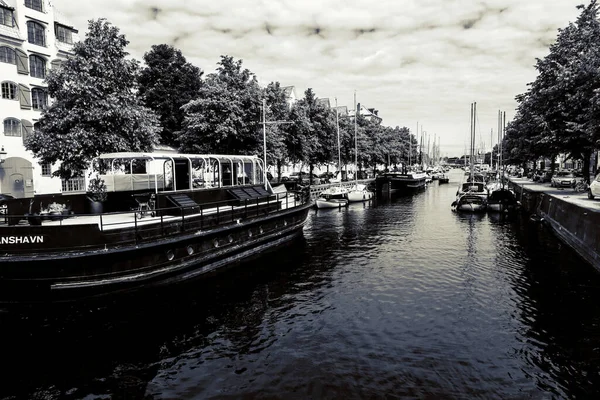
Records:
x=37, y=67
x=9, y=90
x=73, y=185
x=6, y=17
x=39, y=99
x=34, y=5
x=12, y=127
x=64, y=34
x=36, y=33
x=46, y=169
x=7, y=55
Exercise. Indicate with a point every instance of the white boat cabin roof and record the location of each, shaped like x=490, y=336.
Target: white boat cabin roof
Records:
x=169, y=156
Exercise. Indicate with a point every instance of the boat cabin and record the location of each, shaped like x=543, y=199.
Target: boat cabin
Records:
x=175, y=180
x=176, y=183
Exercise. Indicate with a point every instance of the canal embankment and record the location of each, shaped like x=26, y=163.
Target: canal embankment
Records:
x=573, y=217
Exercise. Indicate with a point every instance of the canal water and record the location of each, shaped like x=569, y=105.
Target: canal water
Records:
x=399, y=298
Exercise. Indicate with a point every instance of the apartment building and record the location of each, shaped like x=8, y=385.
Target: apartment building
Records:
x=34, y=38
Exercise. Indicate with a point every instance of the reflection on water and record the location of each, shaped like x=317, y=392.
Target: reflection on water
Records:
x=397, y=298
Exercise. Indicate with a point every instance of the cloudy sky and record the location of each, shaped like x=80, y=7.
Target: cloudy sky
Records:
x=416, y=61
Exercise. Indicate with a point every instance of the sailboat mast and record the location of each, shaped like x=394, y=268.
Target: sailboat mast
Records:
x=337, y=123
x=356, y=138
x=473, y=116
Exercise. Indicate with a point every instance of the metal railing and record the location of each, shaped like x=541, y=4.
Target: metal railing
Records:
x=167, y=219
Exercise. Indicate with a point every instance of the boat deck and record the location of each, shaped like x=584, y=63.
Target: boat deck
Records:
x=119, y=220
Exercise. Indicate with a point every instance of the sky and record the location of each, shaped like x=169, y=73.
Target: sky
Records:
x=420, y=63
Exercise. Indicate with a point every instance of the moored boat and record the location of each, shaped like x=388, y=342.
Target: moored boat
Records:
x=398, y=181
x=207, y=212
x=359, y=192
x=470, y=203
x=502, y=200
x=334, y=197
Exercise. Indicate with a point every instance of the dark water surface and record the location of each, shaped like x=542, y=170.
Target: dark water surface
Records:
x=401, y=298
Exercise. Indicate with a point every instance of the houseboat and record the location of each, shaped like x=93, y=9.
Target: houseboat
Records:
x=393, y=181
x=166, y=218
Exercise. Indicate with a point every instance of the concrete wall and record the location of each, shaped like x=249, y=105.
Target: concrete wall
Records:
x=575, y=225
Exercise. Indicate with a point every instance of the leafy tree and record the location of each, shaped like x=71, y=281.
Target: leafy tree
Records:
x=167, y=83
x=277, y=112
x=312, y=138
x=563, y=98
x=226, y=115
x=95, y=108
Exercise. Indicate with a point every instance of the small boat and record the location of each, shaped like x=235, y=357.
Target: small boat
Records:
x=470, y=203
x=502, y=200
x=358, y=193
x=472, y=194
x=334, y=197
x=443, y=179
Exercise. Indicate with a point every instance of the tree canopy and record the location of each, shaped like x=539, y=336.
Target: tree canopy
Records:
x=95, y=108
x=225, y=116
x=167, y=83
x=559, y=111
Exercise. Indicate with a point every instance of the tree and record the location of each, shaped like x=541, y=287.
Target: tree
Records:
x=167, y=83
x=313, y=135
x=563, y=98
x=226, y=115
x=277, y=110
x=95, y=109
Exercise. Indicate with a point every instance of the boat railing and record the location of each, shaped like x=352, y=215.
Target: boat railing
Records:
x=199, y=216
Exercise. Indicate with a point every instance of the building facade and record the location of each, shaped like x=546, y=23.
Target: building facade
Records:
x=34, y=38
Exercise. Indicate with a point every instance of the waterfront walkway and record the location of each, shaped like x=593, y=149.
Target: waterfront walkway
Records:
x=565, y=194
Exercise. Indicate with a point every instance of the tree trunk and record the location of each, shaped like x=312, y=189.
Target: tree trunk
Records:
x=586, y=165
x=278, y=171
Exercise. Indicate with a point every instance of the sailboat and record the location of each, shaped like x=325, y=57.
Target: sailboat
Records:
x=472, y=194
x=501, y=198
x=334, y=196
x=358, y=192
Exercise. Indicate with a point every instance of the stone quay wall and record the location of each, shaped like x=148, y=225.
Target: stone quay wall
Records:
x=572, y=221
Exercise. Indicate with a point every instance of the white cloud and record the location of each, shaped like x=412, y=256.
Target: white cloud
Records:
x=413, y=60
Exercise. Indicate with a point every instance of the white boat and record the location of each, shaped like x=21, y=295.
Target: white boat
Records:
x=334, y=197
x=358, y=193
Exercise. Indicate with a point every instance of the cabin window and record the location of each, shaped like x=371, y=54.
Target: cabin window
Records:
x=38, y=66
x=46, y=169
x=34, y=5
x=39, y=99
x=7, y=54
x=12, y=127
x=36, y=33
x=6, y=17
x=73, y=185
x=9, y=90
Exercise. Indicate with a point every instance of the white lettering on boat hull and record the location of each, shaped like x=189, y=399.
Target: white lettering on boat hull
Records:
x=21, y=239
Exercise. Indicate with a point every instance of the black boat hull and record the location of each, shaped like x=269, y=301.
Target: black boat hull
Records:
x=174, y=257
